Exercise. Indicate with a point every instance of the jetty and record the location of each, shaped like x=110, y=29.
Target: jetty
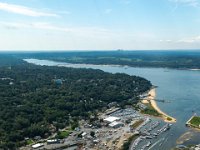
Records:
x=188, y=122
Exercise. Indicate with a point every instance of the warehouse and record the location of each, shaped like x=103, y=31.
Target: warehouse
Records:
x=116, y=124
x=111, y=119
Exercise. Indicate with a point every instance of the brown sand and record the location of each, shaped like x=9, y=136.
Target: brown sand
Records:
x=151, y=100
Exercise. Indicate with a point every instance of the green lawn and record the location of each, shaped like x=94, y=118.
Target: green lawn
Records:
x=195, y=121
x=150, y=111
x=29, y=142
x=63, y=134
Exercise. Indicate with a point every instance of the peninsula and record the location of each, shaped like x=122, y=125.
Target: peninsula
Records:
x=151, y=101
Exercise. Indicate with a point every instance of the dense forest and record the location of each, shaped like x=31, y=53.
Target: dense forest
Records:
x=9, y=60
x=171, y=59
x=33, y=99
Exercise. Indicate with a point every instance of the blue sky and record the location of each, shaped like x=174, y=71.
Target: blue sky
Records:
x=99, y=24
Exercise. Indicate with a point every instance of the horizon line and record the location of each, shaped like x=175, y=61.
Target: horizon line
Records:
x=96, y=50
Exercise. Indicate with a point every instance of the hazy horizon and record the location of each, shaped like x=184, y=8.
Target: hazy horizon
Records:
x=99, y=50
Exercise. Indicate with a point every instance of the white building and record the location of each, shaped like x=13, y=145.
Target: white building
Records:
x=52, y=141
x=197, y=147
x=35, y=146
x=116, y=124
x=83, y=134
x=111, y=119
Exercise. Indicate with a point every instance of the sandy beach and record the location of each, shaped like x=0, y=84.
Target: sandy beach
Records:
x=151, y=100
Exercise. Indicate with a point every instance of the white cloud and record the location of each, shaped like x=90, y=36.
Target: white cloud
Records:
x=195, y=39
x=168, y=41
x=78, y=31
x=52, y=36
x=18, y=9
x=188, y=40
x=35, y=25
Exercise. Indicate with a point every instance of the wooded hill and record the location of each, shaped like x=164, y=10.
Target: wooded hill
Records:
x=35, y=98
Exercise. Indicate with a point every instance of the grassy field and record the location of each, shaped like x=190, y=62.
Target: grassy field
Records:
x=29, y=142
x=150, y=111
x=195, y=121
x=63, y=134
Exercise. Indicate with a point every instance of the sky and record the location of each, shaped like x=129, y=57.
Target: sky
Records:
x=99, y=24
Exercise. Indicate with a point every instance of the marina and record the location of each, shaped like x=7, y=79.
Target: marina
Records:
x=145, y=135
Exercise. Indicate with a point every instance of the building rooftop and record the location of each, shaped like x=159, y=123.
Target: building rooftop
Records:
x=111, y=119
x=37, y=145
x=115, y=123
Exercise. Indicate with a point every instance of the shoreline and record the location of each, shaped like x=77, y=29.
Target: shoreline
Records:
x=151, y=100
x=64, y=63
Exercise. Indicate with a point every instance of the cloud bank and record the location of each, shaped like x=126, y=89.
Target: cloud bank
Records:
x=22, y=10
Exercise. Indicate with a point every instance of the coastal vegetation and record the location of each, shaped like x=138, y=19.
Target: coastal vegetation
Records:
x=37, y=101
x=133, y=137
x=169, y=119
x=152, y=111
x=151, y=107
x=63, y=134
x=127, y=144
x=149, y=110
x=194, y=122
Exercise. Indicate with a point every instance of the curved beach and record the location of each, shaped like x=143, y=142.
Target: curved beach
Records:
x=151, y=100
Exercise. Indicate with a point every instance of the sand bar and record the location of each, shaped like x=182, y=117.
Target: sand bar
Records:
x=151, y=100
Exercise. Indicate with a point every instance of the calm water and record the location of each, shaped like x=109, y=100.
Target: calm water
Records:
x=181, y=87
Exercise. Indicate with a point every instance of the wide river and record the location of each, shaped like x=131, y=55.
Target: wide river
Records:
x=180, y=87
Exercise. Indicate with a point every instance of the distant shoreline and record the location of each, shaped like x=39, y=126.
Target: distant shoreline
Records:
x=64, y=63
